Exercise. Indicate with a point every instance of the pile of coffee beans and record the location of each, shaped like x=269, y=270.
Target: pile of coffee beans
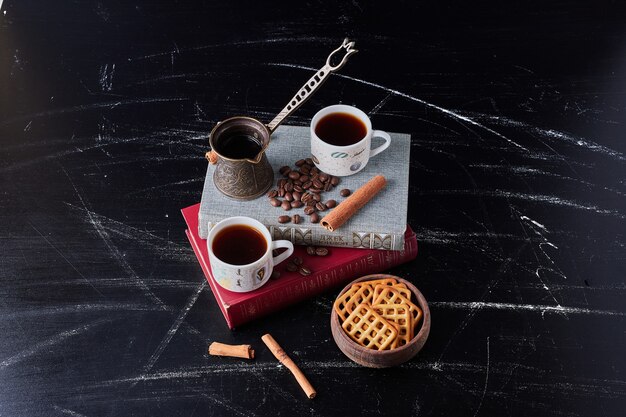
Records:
x=303, y=186
x=297, y=264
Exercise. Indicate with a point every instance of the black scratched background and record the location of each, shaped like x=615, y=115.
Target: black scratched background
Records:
x=517, y=115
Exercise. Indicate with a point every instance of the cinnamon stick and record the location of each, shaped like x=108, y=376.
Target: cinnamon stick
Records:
x=234, y=351
x=282, y=357
x=354, y=203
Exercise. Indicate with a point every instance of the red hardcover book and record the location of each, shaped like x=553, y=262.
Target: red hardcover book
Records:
x=340, y=266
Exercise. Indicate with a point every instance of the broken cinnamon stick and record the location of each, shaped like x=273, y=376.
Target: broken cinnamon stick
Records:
x=234, y=351
x=354, y=203
x=282, y=357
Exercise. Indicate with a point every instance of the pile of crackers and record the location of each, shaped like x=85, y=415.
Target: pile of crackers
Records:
x=378, y=314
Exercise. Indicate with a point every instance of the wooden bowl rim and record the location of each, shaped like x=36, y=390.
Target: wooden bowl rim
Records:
x=421, y=301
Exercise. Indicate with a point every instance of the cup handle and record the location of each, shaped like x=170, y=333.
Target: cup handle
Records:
x=380, y=134
x=286, y=254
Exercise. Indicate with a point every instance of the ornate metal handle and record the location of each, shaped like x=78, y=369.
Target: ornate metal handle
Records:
x=314, y=82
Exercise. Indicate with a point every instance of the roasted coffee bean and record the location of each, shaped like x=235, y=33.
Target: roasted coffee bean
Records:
x=317, y=197
x=304, y=178
x=275, y=274
x=314, y=170
x=318, y=184
x=321, y=251
x=289, y=197
x=294, y=175
x=328, y=186
x=310, y=250
x=297, y=260
x=304, y=271
x=298, y=188
x=286, y=205
x=309, y=210
x=345, y=192
x=311, y=203
x=323, y=177
x=300, y=162
x=284, y=170
x=334, y=181
x=315, y=218
x=275, y=202
x=272, y=193
x=291, y=267
x=320, y=206
x=281, y=192
x=289, y=187
x=296, y=196
x=296, y=204
x=315, y=190
x=297, y=183
x=331, y=204
x=284, y=219
x=281, y=183
x=307, y=185
x=306, y=197
x=305, y=170
x=309, y=161
x=296, y=218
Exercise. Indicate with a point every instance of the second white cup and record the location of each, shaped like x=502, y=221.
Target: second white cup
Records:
x=341, y=140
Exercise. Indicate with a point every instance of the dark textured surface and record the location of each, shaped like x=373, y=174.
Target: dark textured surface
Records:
x=517, y=196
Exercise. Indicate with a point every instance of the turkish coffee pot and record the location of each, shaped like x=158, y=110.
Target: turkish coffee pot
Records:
x=238, y=144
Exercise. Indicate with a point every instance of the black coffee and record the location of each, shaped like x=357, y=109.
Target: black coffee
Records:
x=239, y=146
x=239, y=244
x=340, y=129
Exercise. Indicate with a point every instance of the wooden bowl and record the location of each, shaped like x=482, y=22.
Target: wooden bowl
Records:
x=382, y=358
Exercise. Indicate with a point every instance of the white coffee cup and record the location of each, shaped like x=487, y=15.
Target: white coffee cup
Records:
x=350, y=159
x=249, y=277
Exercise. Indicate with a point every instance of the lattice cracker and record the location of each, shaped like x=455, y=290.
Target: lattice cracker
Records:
x=347, y=302
x=383, y=281
x=368, y=328
x=399, y=315
x=390, y=295
x=402, y=290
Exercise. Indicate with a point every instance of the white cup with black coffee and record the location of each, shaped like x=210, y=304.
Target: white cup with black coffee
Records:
x=341, y=140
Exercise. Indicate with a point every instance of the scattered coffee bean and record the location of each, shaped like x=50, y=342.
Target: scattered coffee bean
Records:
x=284, y=219
x=275, y=202
x=296, y=204
x=304, y=178
x=296, y=196
x=294, y=175
x=305, y=170
x=320, y=207
x=317, y=197
x=307, y=185
x=310, y=250
x=315, y=218
x=306, y=197
x=321, y=251
x=281, y=192
x=289, y=197
x=315, y=190
x=345, y=192
x=284, y=170
x=272, y=193
x=291, y=267
x=298, y=188
x=286, y=205
x=281, y=183
x=331, y=204
x=334, y=181
x=275, y=275
x=296, y=218
x=300, y=162
x=304, y=271
x=328, y=186
x=309, y=161
x=323, y=177
x=314, y=170
x=311, y=203
x=309, y=210
x=318, y=184
x=297, y=260
x=289, y=187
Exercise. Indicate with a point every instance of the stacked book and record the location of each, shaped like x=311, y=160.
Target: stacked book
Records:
x=373, y=240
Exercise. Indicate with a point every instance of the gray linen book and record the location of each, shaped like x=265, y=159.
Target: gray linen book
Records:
x=380, y=224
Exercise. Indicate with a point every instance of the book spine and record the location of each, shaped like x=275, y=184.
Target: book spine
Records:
x=343, y=237
x=373, y=262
